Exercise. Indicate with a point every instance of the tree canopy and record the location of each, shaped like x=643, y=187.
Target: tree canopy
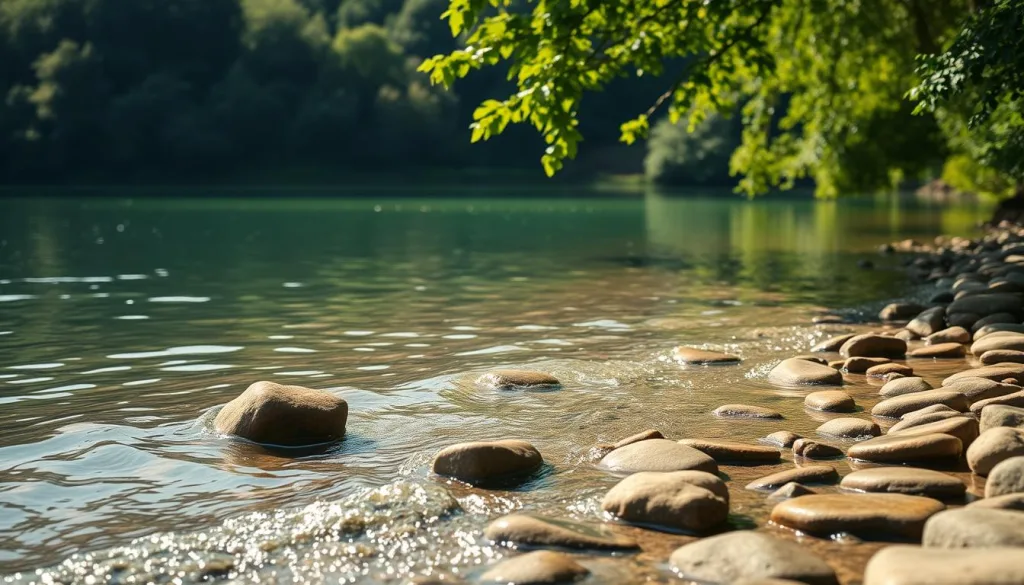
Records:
x=820, y=86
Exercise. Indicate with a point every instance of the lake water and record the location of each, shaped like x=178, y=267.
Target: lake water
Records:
x=125, y=323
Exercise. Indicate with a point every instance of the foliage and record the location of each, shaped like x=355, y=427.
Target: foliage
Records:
x=677, y=155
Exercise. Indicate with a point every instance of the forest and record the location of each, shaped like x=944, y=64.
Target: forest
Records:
x=116, y=91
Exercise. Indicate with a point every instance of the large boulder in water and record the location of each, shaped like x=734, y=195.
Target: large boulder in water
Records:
x=275, y=414
x=484, y=462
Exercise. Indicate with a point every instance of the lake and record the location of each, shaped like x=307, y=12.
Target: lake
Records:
x=126, y=322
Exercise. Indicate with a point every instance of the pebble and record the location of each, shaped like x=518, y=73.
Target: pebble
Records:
x=964, y=428
x=535, y=568
x=899, y=405
x=860, y=365
x=814, y=450
x=871, y=345
x=731, y=451
x=798, y=372
x=994, y=446
x=849, y=428
x=641, y=436
x=685, y=500
x=832, y=344
x=745, y=411
x=692, y=355
x=998, y=328
x=994, y=372
x=949, y=335
x=814, y=474
x=1013, y=501
x=1001, y=356
x=791, y=490
x=514, y=379
x=986, y=304
x=928, y=321
x=901, y=386
x=974, y=528
x=905, y=480
x=657, y=455
x=899, y=311
x=1007, y=477
x=830, y=401
x=903, y=449
x=864, y=515
x=913, y=565
x=976, y=389
x=483, y=462
x=1014, y=399
x=883, y=370
x=993, y=342
x=276, y=414
x=528, y=530
x=811, y=358
x=938, y=351
x=933, y=409
x=993, y=319
x=1001, y=415
x=730, y=557
x=782, y=438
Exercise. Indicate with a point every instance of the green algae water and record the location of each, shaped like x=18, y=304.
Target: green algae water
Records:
x=126, y=322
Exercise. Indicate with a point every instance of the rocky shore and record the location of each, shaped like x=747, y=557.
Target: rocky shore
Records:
x=910, y=446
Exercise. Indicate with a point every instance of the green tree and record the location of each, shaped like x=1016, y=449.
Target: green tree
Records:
x=677, y=155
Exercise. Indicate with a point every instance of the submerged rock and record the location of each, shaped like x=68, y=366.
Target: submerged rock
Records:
x=974, y=528
x=692, y=355
x=905, y=480
x=657, y=455
x=730, y=557
x=536, y=568
x=782, y=438
x=529, y=530
x=641, y=436
x=813, y=474
x=275, y=414
x=513, y=379
x=745, y=411
x=858, y=514
x=685, y=500
x=913, y=565
x=794, y=372
x=487, y=461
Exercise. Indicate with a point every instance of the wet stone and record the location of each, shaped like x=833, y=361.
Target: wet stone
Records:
x=928, y=321
x=938, y=351
x=1007, y=477
x=685, y=500
x=811, y=358
x=901, y=386
x=864, y=515
x=832, y=344
x=883, y=370
x=830, y=401
x=994, y=372
x=912, y=565
x=1014, y=501
x=746, y=411
x=905, y=449
x=905, y=480
x=657, y=455
x=781, y=438
x=730, y=451
x=814, y=450
x=900, y=311
x=514, y=379
x=871, y=345
x=483, y=462
x=906, y=335
x=1000, y=356
x=810, y=474
x=1000, y=415
x=849, y=428
x=791, y=490
x=535, y=568
x=974, y=528
x=898, y=406
x=964, y=428
x=528, y=530
x=641, y=436
x=949, y=335
x=860, y=365
x=692, y=355
x=989, y=343
x=276, y=414
x=730, y=557
x=994, y=446
x=798, y=372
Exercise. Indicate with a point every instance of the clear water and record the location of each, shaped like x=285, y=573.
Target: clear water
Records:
x=125, y=323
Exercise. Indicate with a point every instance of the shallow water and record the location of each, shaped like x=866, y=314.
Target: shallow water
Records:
x=125, y=323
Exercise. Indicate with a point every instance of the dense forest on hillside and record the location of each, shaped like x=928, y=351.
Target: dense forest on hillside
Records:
x=137, y=90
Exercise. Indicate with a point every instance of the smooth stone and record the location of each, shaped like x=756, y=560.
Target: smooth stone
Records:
x=485, y=461
x=1002, y=356
x=938, y=351
x=964, y=428
x=871, y=345
x=641, y=436
x=925, y=416
x=899, y=405
x=814, y=450
x=528, y=530
x=907, y=448
x=1007, y=477
x=906, y=335
x=883, y=370
x=811, y=358
x=692, y=355
x=998, y=328
x=1015, y=399
x=684, y=500
x=949, y=335
x=928, y=321
x=791, y=490
x=905, y=480
x=291, y=416
x=830, y=401
x=1000, y=415
x=832, y=344
x=994, y=372
x=798, y=372
x=746, y=554
x=935, y=408
x=1013, y=501
x=974, y=528
x=657, y=455
x=976, y=389
x=513, y=379
x=913, y=565
x=537, y=567
x=725, y=451
x=782, y=438
x=860, y=365
x=964, y=320
x=899, y=311
x=745, y=411
x=987, y=304
x=901, y=386
x=994, y=446
x=849, y=428
x=857, y=514
x=996, y=318
x=993, y=342
x=814, y=474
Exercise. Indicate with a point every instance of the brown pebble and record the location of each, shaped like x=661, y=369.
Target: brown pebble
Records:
x=642, y=436
x=782, y=438
x=814, y=450
x=860, y=365
x=813, y=474
x=939, y=351
x=745, y=411
x=883, y=370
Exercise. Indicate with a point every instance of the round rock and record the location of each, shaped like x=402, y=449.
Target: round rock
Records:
x=950, y=335
x=962, y=427
x=641, y=436
x=1001, y=356
x=1014, y=399
x=781, y=438
x=994, y=446
x=1000, y=415
x=692, y=355
x=905, y=480
x=798, y=372
x=684, y=500
x=987, y=304
x=812, y=474
x=928, y=321
x=727, y=558
x=929, y=410
x=513, y=379
x=814, y=450
x=901, y=386
x=858, y=514
x=860, y=365
x=832, y=344
x=830, y=401
x=898, y=406
x=989, y=343
x=536, y=568
x=974, y=528
x=275, y=414
x=903, y=449
x=871, y=345
x=791, y=490
x=746, y=411
x=849, y=428
x=528, y=530
x=1013, y=501
x=938, y=351
x=914, y=565
x=976, y=389
x=883, y=370
x=998, y=328
x=482, y=462
x=731, y=451
x=994, y=372
x=657, y=455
